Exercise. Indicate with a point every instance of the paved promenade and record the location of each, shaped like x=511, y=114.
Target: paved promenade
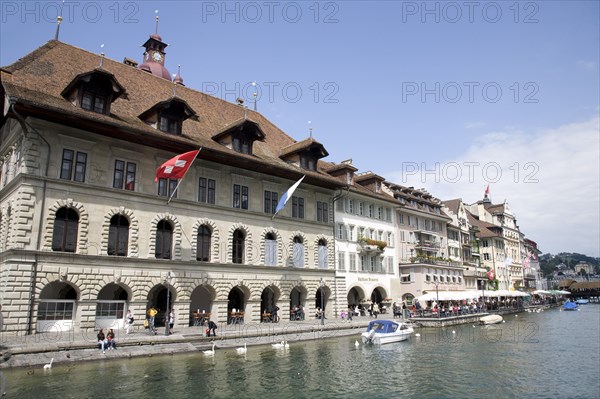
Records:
x=69, y=347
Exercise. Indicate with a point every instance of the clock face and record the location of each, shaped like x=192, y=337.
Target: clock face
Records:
x=157, y=56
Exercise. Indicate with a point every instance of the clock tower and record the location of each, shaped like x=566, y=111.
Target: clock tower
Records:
x=154, y=56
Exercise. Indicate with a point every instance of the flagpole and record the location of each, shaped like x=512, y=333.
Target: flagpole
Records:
x=180, y=180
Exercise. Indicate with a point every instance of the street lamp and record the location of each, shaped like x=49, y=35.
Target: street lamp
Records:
x=168, y=311
x=322, y=284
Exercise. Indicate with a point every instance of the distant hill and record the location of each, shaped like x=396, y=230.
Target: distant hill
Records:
x=549, y=262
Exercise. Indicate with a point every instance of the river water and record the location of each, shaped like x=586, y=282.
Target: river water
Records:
x=552, y=354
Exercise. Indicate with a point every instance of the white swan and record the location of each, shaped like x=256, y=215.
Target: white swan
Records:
x=356, y=343
x=49, y=365
x=286, y=345
x=241, y=351
x=279, y=345
x=210, y=352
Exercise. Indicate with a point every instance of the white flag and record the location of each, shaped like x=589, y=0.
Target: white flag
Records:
x=287, y=195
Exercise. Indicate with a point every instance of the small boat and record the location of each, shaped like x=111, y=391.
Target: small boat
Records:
x=490, y=319
x=386, y=331
x=569, y=306
x=582, y=301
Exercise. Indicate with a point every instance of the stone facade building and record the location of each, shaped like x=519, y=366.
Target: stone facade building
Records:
x=86, y=232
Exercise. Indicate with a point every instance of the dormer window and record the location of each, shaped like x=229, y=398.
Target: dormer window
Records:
x=242, y=145
x=240, y=136
x=94, y=91
x=304, y=154
x=307, y=162
x=93, y=101
x=168, y=116
x=169, y=125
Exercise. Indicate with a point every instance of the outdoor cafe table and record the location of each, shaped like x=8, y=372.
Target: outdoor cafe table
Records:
x=266, y=317
x=236, y=317
x=200, y=318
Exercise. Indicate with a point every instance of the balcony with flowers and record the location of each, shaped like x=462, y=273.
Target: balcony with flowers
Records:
x=370, y=245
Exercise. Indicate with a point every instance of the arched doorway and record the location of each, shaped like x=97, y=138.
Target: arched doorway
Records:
x=321, y=298
x=157, y=298
x=236, y=304
x=57, y=307
x=111, y=306
x=356, y=297
x=201, y=302
x=297, y=303
x=268, y=304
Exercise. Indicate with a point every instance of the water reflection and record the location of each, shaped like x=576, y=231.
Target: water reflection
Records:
x=525, y=357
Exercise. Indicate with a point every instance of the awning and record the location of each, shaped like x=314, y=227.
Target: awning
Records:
x=499, y=293
x=448, y=295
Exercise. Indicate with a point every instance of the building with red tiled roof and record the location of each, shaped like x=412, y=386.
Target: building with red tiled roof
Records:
x=86, y=232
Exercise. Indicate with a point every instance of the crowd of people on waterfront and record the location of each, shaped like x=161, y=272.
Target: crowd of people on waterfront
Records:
x=454, y=308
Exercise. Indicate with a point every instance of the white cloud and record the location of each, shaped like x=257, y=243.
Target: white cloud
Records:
x=587, y=65
x=474, y=125
x=550, y=178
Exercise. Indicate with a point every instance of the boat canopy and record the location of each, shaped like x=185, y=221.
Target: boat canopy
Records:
x=383, y=326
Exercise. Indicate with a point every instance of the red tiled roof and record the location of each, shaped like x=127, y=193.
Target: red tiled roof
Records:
x=37, y=80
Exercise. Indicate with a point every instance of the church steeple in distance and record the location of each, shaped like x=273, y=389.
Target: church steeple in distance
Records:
x=154, y=55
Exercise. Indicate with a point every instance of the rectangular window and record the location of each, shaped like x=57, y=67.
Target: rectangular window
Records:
x=55, y=310
x=361, y=208
x=401, y=218
x=371, y=210
x=73, y=165
x=341, y=261
x=352, y=262
x=298, y=207
x=271, y=200
x=110, y=310
x=486, y=256
x=166, y=187
x=351, y=233
x=80, y=164
x=322, y=212
x=240, y=196
x=124, y=176
x=67, y=165
x=206, y=190
x=379, y=213
x=350, y=206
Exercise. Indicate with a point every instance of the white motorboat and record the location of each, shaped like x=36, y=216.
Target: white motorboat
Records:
x=386, y=331
x=491, y=319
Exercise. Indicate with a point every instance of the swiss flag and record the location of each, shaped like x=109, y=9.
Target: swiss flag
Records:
x=176, y=167
x=490, y=274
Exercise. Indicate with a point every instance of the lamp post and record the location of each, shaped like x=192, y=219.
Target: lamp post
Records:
x=168, y=311
x=437, y=296
x=321, y=285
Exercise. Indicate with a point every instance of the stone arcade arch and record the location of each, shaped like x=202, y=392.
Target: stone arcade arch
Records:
x=111, y=306
x=157, y=298
x=268, y=301
x=202, y=301
x=237, y=300
x=322, y=296
x=57, y=307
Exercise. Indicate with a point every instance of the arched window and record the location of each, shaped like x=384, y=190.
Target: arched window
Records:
x=237, y=254
x=298, y=252
x=270, y=250
x=118, y=235
x=322, y=254
x=164, y=239
x=64, y=237
x=203, y=246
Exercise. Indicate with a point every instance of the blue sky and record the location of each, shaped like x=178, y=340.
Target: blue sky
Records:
x=450, y=96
